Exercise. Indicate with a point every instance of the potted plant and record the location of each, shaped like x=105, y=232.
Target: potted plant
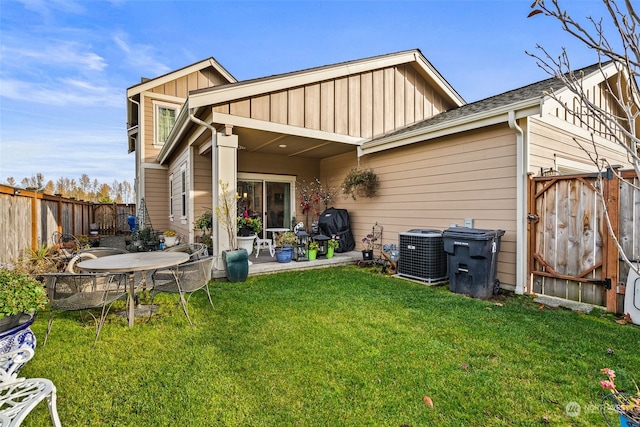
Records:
x=626, y=405
x=169, y=238
x=284, y=246
x=19, y=293
x=205, y=223
x=312, y=252
x=236, y=261
x=360, y=183
x=332, y=245
x=367, y=247
x=248, y=226
x=20, y=297
x=248, y=230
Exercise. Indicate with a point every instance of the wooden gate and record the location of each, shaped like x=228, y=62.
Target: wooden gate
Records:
x=112, y=219
x=572, y=254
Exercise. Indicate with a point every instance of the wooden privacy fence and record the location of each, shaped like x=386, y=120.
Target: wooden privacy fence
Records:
x=28, y=219
x=572, y=253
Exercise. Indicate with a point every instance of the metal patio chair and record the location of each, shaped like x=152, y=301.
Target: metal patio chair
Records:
x=67, y=244
x=18, y=396
x=84, y=292
x=195, y=250
x=184, y=279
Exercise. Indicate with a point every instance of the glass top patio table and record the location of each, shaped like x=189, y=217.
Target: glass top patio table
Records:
x=131, y=263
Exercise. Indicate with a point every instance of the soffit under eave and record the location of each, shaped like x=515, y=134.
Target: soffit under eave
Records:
x=223, y=119
x=243, y=90
x=465, y=124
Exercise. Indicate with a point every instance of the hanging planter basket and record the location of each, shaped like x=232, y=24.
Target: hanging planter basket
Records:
x=360, y=183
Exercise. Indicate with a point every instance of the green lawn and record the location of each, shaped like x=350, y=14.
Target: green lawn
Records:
x=335, y=347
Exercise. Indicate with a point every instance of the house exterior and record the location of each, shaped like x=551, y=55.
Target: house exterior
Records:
x=439, y=160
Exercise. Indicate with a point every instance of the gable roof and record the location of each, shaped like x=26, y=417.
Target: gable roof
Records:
x=524, y=101
x=247, y=88
x=172, y=75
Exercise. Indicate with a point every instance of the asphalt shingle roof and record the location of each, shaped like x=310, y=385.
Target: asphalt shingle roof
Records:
x=529, y=92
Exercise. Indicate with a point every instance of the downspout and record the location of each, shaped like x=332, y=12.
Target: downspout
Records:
x=215, y=239
x=138, y=155
x=522, y=168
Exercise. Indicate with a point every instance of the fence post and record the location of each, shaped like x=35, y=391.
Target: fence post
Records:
x=610, y=264
x=34, y=220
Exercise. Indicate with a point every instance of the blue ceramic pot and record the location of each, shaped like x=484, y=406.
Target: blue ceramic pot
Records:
x=284, y=254
x=18, y=336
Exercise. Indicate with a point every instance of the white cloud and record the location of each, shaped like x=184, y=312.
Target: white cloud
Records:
x=62, y=92
x=47, y=7
x=58, y=53
x=140, y=57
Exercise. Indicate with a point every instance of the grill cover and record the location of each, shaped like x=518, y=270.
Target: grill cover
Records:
x=335, y=222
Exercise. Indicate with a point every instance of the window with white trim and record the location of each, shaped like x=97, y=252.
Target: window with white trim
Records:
x=164, y=119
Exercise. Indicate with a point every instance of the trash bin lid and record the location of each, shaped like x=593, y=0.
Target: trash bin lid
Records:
x=471, y=233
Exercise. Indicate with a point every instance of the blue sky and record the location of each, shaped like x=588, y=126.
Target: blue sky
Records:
x=65, y=65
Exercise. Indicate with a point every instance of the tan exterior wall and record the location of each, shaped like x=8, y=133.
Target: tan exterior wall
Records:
x=181, y=224
x=155, y=182
x=202, y=190
x=438, y=183
x=301, y=168
x=156, y=197
x=553, y=138
x=361, y=105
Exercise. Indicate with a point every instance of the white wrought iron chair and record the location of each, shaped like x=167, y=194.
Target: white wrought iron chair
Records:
x=84, y=292
x=184, y=279
x=266, y=244
x=18, y=396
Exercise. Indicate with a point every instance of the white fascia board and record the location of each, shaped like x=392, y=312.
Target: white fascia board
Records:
x=443, y=84
x=134, y=90
x=228, y=119
x=463, y=124
x=242, y=90
x=595, y=78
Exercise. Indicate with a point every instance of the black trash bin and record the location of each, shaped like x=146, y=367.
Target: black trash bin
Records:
x=472, y=258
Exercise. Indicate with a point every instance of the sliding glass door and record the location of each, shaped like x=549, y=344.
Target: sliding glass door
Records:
x=269, y=197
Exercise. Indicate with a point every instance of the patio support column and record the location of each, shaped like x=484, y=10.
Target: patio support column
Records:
x=225, y=169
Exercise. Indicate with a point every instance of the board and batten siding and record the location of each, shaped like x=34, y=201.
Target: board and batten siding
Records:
x=362, y=105
x=434, y=184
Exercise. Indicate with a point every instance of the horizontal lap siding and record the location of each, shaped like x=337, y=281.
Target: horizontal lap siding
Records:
x=156, y=197
x=303, y=169
x=203, y=184
x=361, y=105
x=176, y=170
x=549, y=141
x=438, y=183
